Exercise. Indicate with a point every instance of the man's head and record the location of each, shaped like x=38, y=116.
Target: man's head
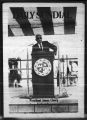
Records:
x=38, y=38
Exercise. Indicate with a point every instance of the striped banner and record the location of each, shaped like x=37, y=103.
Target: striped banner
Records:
x=29, y=21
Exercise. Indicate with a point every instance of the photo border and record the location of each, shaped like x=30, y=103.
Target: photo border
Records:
x=1, y=49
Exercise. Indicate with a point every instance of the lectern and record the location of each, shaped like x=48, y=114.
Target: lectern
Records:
x=42, y=74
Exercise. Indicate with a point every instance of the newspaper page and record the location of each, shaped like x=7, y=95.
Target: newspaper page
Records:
x=49, y=82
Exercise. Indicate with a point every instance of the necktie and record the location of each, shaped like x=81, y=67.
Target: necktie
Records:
x=41, y=47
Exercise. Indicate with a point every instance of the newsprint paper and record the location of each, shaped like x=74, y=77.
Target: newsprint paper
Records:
x=49, y=82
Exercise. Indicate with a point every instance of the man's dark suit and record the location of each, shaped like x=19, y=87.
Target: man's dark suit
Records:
x=46, y=47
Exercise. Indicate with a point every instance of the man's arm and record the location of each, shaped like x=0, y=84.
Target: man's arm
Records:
x=53, y=47
x=33, y=48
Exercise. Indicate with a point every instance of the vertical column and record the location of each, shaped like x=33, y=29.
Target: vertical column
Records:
x=27, y=71
x=67, y=68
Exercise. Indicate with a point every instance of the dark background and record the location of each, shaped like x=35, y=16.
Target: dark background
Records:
x=1, y=47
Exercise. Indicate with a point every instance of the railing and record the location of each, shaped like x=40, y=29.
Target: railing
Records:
x=63, y=77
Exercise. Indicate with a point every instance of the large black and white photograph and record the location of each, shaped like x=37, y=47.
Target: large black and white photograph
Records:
x=43, y=60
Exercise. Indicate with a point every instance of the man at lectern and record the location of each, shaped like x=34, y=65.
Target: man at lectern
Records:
x=43, y=45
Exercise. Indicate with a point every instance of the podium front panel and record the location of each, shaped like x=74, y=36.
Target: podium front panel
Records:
x=42, y=74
